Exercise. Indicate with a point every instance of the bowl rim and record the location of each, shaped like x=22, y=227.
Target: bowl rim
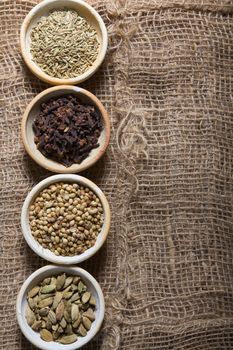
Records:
x=68, y=269
x=46, y=253
x=40, y=73
x=59, y=168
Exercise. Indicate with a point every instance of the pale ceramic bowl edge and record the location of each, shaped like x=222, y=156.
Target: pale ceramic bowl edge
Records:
x=46, y=253
x=59, y=269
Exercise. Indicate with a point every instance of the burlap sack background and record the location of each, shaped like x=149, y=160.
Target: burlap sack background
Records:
x=167, y=267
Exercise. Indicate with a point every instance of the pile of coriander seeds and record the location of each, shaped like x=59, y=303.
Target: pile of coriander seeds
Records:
x=66, y=218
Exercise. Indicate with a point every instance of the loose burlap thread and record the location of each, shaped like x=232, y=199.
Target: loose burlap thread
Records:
x=167, y=267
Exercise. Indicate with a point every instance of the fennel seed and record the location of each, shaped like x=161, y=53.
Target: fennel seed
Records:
x=64, y=44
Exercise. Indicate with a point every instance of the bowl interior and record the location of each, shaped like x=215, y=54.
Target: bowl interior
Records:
x=49, y=163
x=47, y=271
x=46, y=253
x=85, y=11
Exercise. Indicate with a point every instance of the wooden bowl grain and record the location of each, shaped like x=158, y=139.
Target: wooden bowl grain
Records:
x=33, y=109
x=42, y=9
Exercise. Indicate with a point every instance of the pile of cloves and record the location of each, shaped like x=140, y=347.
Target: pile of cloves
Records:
x=66, y=130
x=60, y=308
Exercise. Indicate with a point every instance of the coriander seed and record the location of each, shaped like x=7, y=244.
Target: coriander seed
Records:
x=71, y=232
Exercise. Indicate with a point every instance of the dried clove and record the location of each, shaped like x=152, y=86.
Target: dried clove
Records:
x=66, y=129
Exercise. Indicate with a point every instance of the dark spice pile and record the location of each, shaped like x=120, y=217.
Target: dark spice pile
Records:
x=66, y=130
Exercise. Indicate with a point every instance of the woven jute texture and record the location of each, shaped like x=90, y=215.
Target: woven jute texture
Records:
x=167, y=267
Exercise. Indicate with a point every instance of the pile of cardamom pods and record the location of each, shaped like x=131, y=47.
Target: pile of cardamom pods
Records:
x=60, y=308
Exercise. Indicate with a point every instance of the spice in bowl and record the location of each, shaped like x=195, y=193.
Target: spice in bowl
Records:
x=60, y=308
x=63, y=44
x=66, y=218
x=67, y=130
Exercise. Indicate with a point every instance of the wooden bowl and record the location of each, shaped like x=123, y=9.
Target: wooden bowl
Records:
x=42, y=9
x=32, y=111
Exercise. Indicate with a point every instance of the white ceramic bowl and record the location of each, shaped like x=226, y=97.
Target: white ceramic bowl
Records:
x=42, y=9
x=38, y=276
x=32, y=111
x=46, y=253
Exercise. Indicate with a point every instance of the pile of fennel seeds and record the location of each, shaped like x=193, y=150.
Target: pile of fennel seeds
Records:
x=63, y=44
